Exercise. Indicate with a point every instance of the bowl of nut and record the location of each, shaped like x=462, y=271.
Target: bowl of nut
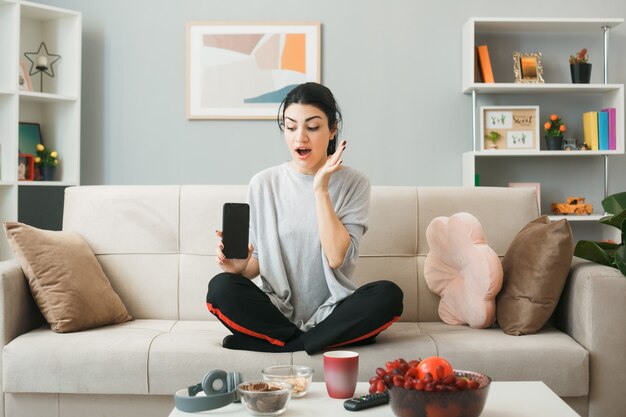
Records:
x=431, y=387
x=298, y=376
x=265, y=398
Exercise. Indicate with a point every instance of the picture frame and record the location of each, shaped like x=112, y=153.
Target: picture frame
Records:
x=243, y=70
x=29, y=138
x=528, y=68
x=535, y=185
x=24, y=78
x=517, y=128
x=25, y=167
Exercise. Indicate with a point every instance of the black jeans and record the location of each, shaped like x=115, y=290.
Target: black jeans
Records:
x=244, y=308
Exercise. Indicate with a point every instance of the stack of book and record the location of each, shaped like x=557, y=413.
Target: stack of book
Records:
x=599, y=129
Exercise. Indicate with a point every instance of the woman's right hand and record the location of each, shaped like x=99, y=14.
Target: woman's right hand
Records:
x=233, y=266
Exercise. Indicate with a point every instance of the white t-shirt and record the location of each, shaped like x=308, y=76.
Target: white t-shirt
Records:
x=284, y=231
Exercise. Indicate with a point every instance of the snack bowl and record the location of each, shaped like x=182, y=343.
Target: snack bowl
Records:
x=462, y=403
x=264, y=398
x=297, y=375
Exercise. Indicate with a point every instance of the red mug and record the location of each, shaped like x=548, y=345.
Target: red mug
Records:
x=341, y=369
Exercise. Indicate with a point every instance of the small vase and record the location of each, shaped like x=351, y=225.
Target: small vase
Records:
x=492, y=146
x=554, y=143
x=47, y=173
x=581, y=73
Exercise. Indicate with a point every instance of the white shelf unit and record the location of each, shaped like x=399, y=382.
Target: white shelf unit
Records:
x=560, y=96
x=23, y=26
x=591, y=217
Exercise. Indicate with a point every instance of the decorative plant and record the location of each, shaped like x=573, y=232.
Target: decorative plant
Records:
x=554, y=126
x=581, y=57
x=46, y=157
x=493, y=136
x=608, y=253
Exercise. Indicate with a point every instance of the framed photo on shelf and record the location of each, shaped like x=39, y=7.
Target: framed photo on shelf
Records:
x=239, y=70
x=514, y=128
x=29, y=138
x=528, y=67
x=25, y=167
x=24, y=78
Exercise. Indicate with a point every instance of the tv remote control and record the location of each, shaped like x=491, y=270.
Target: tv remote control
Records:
x=366, y=401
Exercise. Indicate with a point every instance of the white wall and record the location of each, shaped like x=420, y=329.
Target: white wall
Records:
x=394, y=65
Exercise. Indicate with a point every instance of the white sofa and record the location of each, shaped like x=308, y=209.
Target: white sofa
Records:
x=156, y=245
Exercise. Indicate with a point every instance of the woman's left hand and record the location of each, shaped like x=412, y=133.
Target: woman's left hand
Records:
x=333, y=164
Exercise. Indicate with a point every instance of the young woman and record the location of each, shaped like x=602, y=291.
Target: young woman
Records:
x=307, y=217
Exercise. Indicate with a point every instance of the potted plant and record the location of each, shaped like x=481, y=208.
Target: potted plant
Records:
x=579, y=67
x=46, y=161
x=493, y=136
x=554, y=129
x=608, y=253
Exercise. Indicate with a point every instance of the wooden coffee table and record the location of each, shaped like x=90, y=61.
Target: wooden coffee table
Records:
x=510, y=399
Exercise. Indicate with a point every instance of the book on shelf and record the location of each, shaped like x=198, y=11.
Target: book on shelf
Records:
x=484, y=63
x=599, y=129
x=612, y=127
x=590, y=129
x=603, y=131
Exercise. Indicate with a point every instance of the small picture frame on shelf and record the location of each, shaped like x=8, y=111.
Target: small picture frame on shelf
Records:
x=528, y=68
x=512, y=128
x=535, y=185
x=24, y=78
x=25, y=167
x=29, y=138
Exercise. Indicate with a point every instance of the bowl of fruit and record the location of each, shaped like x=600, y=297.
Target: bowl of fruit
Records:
x=431, y=387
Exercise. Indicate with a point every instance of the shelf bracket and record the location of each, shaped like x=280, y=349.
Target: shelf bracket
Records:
x=606, y=176
x=606, y=54
x=474, y=120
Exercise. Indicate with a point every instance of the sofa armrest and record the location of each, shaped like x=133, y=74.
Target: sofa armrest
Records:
x=592, y=310
x=17, y=307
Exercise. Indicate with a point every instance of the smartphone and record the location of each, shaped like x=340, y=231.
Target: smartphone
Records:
x=235, y=226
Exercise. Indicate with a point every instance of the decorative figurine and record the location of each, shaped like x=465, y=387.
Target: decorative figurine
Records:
x=574, y=205
x=42, y=63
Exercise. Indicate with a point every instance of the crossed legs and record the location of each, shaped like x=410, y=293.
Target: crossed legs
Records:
x=257, y=324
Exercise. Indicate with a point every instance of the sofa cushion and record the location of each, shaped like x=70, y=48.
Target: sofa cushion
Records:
x=535, y=270
x=125, y=219
x=148, y=283
x=106, y=360
x=65, y=278
x=549, y=355
x=491, y=206
x=182, y=356
x=463, y=270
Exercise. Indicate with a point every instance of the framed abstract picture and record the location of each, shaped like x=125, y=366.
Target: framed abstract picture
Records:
x=244, y=70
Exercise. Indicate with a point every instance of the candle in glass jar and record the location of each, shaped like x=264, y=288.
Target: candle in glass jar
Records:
x=42, y=62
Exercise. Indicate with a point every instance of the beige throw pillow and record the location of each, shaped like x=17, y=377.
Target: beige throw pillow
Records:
x=65, y=278
x=535, y=267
